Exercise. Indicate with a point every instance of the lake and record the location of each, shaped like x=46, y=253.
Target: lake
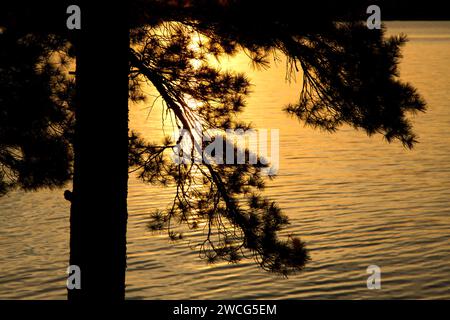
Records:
x=356, y=201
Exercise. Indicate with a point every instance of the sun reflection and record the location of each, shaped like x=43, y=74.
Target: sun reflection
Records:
x=196, y=46
x=192, y=103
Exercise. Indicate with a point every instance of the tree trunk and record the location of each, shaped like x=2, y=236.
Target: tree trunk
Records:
x=99, y=199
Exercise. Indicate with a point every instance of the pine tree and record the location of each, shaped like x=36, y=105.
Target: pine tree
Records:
x=350, y=76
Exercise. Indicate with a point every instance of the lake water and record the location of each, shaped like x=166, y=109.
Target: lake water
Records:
x=356, y=201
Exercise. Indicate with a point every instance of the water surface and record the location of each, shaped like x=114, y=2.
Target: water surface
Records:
x=355, y=200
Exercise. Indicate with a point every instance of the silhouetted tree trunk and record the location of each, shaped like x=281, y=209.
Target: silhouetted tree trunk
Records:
x=99, y=201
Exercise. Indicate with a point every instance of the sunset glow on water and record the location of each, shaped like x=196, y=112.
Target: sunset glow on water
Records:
x=356, y=201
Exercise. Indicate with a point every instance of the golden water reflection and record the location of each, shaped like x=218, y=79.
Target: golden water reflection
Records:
x=355, y=200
